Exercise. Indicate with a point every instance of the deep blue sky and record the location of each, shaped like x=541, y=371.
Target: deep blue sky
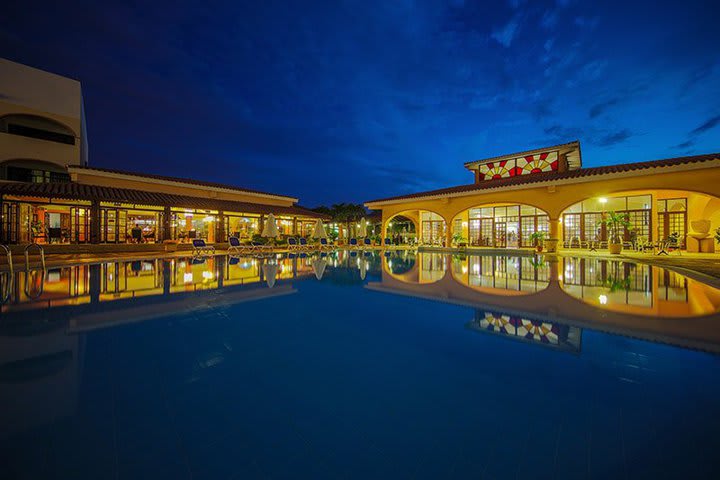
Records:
x=353, y=100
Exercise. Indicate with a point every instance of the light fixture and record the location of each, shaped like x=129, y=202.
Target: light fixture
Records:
x=602, y=299
x=188, y=278
x=602, y=200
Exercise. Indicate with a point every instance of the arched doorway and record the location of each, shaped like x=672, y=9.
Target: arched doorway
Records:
x=416, y=227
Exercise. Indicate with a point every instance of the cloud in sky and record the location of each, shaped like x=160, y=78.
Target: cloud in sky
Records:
x=373, y=101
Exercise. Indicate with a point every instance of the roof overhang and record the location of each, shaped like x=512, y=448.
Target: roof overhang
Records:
x=73, y=169
x=492, y=187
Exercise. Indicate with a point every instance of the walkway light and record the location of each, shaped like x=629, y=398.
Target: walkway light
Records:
x=602, y=299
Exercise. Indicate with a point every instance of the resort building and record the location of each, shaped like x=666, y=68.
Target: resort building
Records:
x=49, y=194
x=548, y=190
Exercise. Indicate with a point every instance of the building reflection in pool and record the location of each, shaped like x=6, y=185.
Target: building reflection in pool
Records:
x=611, y=295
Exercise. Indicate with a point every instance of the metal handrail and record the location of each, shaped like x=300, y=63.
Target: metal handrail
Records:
x=9, y=257
x=35, y=294
x=7, y=288
x=27, y=256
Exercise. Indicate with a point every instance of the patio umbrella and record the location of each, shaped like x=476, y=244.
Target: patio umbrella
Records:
x=363, y=228
x=319, y=231
x=319, y=265
x=270, y=272
x=270, y=230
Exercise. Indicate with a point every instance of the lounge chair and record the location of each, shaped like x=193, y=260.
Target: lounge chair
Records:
x=201, y=248
x=292, y=244
x=324, y=245
x=353, y=243
x=236, y=248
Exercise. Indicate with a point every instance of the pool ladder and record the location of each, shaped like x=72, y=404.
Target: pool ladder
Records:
x=7, y=277
x=28, y=292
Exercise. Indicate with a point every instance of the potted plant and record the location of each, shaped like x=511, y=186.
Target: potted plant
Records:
x=616, y=224
x=538, y=238
x=458, y=240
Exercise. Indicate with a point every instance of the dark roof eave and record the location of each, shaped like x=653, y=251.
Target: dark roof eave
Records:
x=75, y=191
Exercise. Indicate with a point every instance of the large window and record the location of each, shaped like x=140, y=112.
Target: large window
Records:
x=36, y=127
x=30, y=175
x=433, y=228
x=583, y=222
x=505, y=226
x=672, y=219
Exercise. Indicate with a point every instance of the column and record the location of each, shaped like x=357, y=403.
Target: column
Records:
x=295, y=230
x=448, y=234
x=553, y=240
x=95, y=222
x=167, y=224
x=221, y=234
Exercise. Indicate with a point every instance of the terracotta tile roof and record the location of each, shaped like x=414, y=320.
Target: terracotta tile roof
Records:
x=551, y=176
x=79, y=191
x=188, y=181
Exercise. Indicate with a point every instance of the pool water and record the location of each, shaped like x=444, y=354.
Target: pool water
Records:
x=347, y=365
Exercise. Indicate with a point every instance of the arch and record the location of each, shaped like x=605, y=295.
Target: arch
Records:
x=37, y=126
x=430, y=226
x=468, y=272
x=423, y=268
x=654, y=215
x=500, y=224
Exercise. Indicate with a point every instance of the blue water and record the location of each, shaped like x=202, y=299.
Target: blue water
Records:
x=331, y=379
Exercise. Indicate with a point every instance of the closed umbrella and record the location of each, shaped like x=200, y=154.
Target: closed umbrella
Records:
x=319, y=265
x=270, y=230
x=319, y=231
x=363, y=228
x=363, y=268
x=270, y=272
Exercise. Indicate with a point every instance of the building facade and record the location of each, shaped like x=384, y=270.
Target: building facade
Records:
x=49, y=194
x=548, y=190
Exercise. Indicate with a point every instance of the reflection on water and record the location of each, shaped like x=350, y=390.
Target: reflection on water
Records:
x=216, y=371
x=555, y=335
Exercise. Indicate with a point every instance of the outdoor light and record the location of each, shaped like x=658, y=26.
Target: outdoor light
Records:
x=602, y=200
x=207, y=275
x=602, y=299
x=188, y=278
x=464, y=224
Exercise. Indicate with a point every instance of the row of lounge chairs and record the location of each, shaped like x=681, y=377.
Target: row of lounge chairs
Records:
x=200, y=248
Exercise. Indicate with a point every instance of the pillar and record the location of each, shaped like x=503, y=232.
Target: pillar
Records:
x=95, y=221
x=448, y=234
x=553, y=240
x=167, y=224
x=221, y=234
x=295, y=230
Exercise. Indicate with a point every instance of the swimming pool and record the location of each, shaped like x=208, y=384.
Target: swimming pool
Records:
x=355, y=365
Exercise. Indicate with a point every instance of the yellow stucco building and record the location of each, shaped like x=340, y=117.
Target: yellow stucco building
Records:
x=548, y=190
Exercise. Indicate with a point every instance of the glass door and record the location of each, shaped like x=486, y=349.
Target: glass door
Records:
x=9, y=222
x=79, y=224
x=500, y=234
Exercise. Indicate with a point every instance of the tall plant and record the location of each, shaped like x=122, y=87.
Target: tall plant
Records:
x=616, y=224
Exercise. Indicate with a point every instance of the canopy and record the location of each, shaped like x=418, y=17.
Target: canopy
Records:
x=270, y=272
x=319, y=231
x=270, y=229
